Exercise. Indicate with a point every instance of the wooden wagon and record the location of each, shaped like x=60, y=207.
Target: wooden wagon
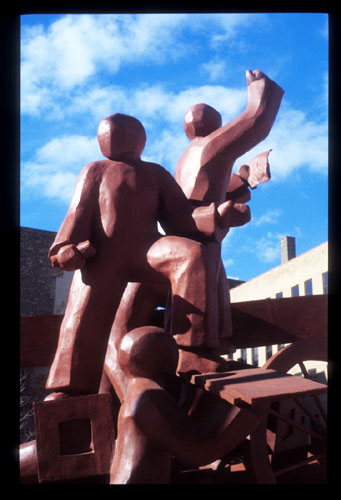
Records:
x=292, y=409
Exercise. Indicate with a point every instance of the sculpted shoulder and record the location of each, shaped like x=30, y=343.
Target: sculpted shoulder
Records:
x=155, y=167
x=156, y=171
x=93, y=165
x=96, y=172
x=95, y=169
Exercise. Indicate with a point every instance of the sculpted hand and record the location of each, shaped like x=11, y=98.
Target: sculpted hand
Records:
x=257, y=85
x=252, y=76
x=72, y=257
x=233, y=214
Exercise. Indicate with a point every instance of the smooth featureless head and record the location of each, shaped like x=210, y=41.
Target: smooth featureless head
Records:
x=148, y=352
x=201, y=120
x=121, y=137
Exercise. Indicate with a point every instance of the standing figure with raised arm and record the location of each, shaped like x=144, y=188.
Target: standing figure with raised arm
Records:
x=204, y=169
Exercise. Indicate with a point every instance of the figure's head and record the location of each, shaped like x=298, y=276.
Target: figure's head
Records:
x=121, y=137
x=201, y=120
x=148, y=352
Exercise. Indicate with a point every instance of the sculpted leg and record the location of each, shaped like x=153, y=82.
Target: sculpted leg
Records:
x=225, y=320
x=137, y=459
x=136, y=309
x=78, y=363
x=192, y=272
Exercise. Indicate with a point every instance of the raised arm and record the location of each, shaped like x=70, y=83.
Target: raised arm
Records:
x=252, y=126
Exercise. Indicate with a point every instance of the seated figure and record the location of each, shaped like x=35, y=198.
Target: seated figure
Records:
x=153, y=428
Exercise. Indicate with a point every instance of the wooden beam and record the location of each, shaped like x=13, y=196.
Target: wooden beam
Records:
x=279, y=321
x=255, y=323
x=257, y=385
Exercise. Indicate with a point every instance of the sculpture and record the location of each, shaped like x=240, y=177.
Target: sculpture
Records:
x=124, y=268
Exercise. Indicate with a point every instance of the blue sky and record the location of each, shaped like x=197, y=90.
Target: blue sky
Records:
x=76, y=69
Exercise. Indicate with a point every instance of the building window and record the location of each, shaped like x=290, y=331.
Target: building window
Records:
x=243, y=356
x=254, y=354
x=308, y=287
x=279, y=295
x=325, y=282
x=280, y=346
x=268, y=351
x=295, y=291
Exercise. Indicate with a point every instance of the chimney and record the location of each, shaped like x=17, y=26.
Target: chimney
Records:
x=288, y=248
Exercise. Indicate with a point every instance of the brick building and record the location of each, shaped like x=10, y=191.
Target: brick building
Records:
x=305, y=274
x=37, y=277
x=37, y=296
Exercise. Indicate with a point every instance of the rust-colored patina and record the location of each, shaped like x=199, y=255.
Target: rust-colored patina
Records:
x=179, y=400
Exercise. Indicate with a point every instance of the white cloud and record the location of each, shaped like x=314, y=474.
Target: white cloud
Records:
x=74, y=48
x=299, y=141
x=270, y=217
x=166, y=149
x=98, y=102
x=296, y=142
x=268, y=248
x=215, y=69
x=55, y=167
x=172, y=107
x=228, y=101
x=228, y=262
x=144, y=102
x=154, y=105
x=227, y=26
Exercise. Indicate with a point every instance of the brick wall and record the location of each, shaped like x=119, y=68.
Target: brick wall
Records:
x=37, y=277
x=37, y=296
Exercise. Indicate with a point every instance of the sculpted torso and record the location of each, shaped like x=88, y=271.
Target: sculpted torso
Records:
x=116, y=206
x=196, y=170
x=123, y=190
